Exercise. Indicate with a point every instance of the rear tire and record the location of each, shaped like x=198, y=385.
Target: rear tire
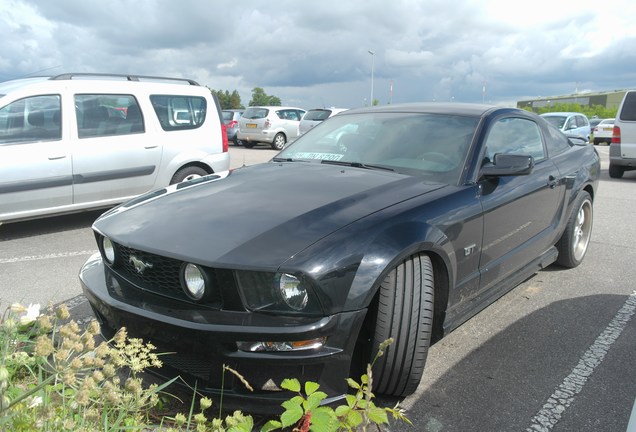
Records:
x=248, y=144
x=576, y=238
x=616, y=171
x=279, y=141
x=404, y=313
x=188, y=173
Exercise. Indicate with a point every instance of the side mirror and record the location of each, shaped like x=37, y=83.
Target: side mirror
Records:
x=508, y=165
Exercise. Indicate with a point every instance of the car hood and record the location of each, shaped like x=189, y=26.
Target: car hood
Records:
x=259, y=216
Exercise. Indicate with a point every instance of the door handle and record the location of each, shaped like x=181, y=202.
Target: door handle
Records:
x=552, y=182
x=56, y=157
x=150, y=147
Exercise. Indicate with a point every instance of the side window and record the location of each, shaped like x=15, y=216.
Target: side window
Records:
x=581, y=122
x=514, y=135
x=571, y=124
x=31, y=119
x=107, y=115
x=179, y=112
x=557, y=142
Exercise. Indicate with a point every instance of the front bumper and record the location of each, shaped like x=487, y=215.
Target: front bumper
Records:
x=201, y=341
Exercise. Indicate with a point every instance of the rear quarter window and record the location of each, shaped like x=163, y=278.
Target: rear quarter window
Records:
x=628, y=111
x=179, y=112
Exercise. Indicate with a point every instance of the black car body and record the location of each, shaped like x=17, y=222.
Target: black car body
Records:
x=400, y=221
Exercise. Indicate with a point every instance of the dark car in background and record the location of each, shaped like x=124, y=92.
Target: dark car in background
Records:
x=399, y=222
x=231, y=118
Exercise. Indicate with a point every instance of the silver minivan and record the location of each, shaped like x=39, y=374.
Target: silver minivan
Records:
x=273, y=125
x=623, y=145
x=82, y=141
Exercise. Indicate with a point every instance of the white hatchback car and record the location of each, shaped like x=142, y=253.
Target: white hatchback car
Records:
x=603, y=131
x=83, y=141
x=273, y=125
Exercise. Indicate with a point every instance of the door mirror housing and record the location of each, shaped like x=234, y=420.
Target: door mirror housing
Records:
x=508, y=165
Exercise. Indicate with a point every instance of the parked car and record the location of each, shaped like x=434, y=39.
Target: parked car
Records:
x=571, y=123
x=404, y=226
x=623, y=145
x=272, y=125
x=231, y=118
x=593, y=123
x=82, y=141
x=316, y=116
x=603, y=131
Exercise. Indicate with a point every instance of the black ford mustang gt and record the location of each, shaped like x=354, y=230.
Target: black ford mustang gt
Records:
x=389, y=222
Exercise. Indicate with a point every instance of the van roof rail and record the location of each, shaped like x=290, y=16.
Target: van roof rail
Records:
x=69, y=76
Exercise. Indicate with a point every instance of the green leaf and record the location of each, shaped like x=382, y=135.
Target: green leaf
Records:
x=342, y=410
x=271, y=425
x=323, y=419
x=353, y=384
x=354, y=418
x=247, y=425
x=364, y=379
x=292, y=414
x=378, y=415
x=311, y=387
x=351, y=400
x=314, y=399
x=291, y=385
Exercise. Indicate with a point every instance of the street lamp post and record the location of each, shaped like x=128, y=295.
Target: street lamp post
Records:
x=372, y=65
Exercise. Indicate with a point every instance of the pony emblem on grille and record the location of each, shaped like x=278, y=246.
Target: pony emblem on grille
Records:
x=139, y=265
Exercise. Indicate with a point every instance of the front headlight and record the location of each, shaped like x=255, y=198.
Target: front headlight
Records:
x=109, y=250
x=292, y=291
x=277, y=292
x=193, y=281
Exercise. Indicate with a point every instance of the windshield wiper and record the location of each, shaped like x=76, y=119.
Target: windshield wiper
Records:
x=357, y=165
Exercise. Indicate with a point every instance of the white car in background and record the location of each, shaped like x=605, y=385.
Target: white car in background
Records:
x=273, y=125
x=603, y=131
x=314, y=117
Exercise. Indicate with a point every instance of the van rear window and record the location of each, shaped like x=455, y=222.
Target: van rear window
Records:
x=179, y=112
x=628, y=112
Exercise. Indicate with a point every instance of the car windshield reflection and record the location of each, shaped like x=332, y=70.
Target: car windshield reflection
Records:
x=412, y=144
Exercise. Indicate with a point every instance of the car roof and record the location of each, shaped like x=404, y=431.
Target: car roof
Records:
x=456, y=108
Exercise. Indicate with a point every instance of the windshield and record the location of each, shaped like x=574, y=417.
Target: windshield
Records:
x=430, y=145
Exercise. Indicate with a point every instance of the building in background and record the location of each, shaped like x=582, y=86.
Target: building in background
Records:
x=609, y=99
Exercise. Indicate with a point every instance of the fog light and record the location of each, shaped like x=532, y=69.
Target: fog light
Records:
x=193, y=281
x=292, y=291
x=109, y=250
x=282, y=346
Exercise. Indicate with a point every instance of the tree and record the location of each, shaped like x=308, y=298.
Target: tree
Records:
x=260, y=98
x=228, y=100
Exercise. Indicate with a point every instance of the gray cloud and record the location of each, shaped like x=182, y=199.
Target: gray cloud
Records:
x=317, y=54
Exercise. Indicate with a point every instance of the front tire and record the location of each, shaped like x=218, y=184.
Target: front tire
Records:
x=188, y=173
x=576, y=238
x=279, y=141
x=404, y=313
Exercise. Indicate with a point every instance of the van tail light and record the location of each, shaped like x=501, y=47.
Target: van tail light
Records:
x=616, y=135
x=267, y=124
x=232, y=124
x=226, y=146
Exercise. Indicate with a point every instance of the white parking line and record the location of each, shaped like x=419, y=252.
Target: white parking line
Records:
x=564, y=395
x=44, y=257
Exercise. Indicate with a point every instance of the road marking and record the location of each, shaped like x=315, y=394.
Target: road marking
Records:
x=564, y=395
x=44, y=257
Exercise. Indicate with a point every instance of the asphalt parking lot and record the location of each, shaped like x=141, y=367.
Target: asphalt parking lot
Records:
x=556, y=353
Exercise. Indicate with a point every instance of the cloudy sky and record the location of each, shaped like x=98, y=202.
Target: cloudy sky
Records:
x=314, y=54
